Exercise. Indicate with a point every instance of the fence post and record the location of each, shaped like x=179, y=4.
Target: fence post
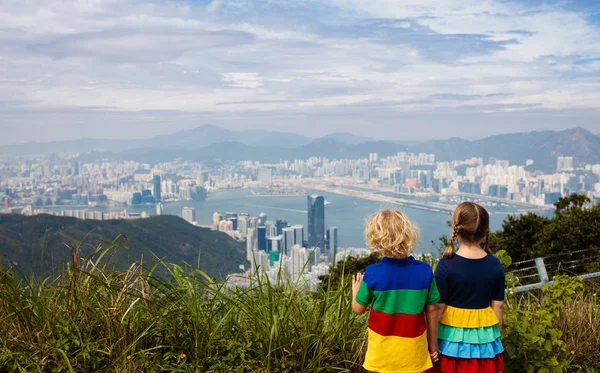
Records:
x=541, y=268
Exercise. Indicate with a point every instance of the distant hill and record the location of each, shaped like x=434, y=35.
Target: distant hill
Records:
x=195, y=138
x=542, y=147
x=168, y=237
x=348, y=138
x=208, y=142
x=234, y=151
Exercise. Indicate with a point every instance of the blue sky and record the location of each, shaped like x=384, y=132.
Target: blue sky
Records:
x=410, y=69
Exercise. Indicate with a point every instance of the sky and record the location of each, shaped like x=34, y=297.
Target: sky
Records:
x=389, y=69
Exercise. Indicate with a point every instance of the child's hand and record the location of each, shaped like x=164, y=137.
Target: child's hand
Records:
x=435, y=356
x=356, y=280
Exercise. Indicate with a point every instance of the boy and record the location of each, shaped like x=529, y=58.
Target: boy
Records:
x=402, y=291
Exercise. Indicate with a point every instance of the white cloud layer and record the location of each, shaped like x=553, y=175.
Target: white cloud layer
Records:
x=271, y=64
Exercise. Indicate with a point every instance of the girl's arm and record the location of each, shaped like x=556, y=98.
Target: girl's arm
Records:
x=498, y=307
x=357, y=307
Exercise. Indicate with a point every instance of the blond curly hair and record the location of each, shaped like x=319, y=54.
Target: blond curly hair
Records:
x=391, y=233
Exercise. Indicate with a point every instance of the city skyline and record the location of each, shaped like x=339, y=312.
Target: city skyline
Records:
x=374, y=68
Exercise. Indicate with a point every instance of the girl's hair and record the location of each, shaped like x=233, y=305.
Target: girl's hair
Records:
x=391, y=233
x=471, y=223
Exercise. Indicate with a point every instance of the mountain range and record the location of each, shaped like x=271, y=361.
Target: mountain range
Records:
x=27, y=241
x=208, y=143
x=195, y=138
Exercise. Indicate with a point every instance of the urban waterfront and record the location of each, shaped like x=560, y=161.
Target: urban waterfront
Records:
x=345, y=212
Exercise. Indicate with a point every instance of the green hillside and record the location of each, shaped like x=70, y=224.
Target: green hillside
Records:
x=23, y=240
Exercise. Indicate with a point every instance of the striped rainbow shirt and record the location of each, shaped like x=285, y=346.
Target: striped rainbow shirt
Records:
x=398, y=290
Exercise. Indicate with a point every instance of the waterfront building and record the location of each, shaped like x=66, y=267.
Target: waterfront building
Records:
x=316, y=221
x=156, y=183
x=159, y=209
x=265, y=176
x=189, y=214
x=217, y=217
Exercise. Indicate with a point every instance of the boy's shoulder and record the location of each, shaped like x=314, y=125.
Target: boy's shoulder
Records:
x=411, y=263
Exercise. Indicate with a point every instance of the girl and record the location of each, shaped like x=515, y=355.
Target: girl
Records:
x=471, y=285
x=401, y=290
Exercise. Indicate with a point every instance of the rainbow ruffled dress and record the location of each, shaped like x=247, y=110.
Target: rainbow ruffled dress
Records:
x=398, y=290
x=468, y=333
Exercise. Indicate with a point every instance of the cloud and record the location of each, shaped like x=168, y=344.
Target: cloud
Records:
x=241, y=60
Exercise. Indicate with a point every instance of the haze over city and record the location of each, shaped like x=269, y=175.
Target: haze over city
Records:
x=406, y=70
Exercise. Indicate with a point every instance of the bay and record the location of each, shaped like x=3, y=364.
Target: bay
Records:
x=347, y=213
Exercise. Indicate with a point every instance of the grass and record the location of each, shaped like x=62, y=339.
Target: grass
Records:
x=91, y=318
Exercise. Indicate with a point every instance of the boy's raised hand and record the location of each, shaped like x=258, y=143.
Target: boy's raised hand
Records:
x=356, y=280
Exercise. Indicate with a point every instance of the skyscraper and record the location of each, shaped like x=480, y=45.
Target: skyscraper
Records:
x=298, y=261
x=316, y=221
x=289, y=240
x=280, y=224
x=189, y=214
x=298, y=234
x=156, y=183
x=216, y=220
x=332, y=238
x=262, y=218
x=261, y=238
x=265, y=176
x=243, y=225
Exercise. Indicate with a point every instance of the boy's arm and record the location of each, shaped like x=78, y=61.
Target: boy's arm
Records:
x=433, y=313
x=357, y=307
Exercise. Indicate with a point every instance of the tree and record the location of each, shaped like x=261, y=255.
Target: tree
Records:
x=346, y=269
x=519, y=235
x=571, y=203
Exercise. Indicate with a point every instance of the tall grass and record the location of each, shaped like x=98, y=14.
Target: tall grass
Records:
x=160, y=317
x=171, y=318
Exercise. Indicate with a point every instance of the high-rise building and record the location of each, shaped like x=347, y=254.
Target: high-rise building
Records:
x=332, y=242
x=289, y=240
x=225, y=226
x=298, y=261
x=243, y=225
x=262, y=218
x=261, y=238
x=274, y=244
x=249, y=245
x=271, y=228
x=316, y=221
x=156, y=183
x=274, y=248
x=564, y=164
x=265, y=176
x=216, y=220
x=189, y=214
x=298, y=234
x=259, y=262
x=280, y=224
x=234, y=222
x=159, y=209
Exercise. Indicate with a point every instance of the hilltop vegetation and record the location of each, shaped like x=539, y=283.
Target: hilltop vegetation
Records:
x=47, y=239
x=92, y=318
